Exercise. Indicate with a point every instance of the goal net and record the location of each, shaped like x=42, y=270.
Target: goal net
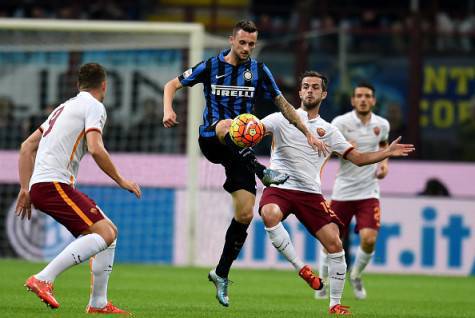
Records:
x=38, y=64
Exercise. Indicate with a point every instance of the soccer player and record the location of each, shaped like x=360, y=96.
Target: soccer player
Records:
x=356, y=189
x=48, y=167
x=301, y=194
x=234, y=83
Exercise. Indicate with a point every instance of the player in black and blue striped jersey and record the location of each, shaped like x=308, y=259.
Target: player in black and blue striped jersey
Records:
x=233, y=84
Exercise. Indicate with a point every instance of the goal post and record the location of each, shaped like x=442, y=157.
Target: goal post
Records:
x=28, y=35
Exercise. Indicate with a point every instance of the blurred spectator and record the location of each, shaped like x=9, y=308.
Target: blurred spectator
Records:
x=396, y=121
x=115, y=135
x=11, y=132
x=445, y=28
x=435, y=187
x=149, y=135
x=467, y=31
x=34, y=121
x=106, y=10
x=265, y=26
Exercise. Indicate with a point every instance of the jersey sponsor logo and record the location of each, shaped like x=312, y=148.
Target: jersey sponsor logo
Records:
x=234, y=91
x=93, y=210
x=247, y=75
x=187, y=73
x=321, y=132
x=377, y=131
x=223, y=75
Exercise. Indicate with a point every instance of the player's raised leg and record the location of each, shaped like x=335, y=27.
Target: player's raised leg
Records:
x=272, y=216
x=246, y=155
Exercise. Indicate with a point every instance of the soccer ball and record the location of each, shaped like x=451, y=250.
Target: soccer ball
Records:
x=246, y=130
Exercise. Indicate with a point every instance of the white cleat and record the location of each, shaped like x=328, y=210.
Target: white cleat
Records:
x=358, y=288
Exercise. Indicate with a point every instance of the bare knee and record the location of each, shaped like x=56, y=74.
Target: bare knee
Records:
x=244, y=215
x=367, y=243
x=222, y=128
x=106, y=229
x=334, y=246
x=271, y=215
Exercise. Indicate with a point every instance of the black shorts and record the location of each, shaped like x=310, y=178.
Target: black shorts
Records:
x=238, y=177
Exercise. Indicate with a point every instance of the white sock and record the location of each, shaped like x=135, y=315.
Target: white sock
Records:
x=78, y=251
x=281, y=240
x=323, y=264
x=101, y=268
x=362, y=259
x=337, y=275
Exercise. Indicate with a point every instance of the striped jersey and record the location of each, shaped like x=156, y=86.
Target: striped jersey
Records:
x=63, y=143
x=229, y=90
x=353, y=182
x=292, y=154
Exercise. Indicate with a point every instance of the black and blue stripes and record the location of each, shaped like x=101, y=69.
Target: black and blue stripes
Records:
x=229, y=90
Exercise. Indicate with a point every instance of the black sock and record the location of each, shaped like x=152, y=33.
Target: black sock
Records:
x=245, y=155
x=235, y=238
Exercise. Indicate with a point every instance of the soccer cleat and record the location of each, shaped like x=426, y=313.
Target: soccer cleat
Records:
x=339, y=309
x=107, y=309
x=358, y=288
x=313, y=281
x=321, y=294
x=42, y=289
x=221, y=285
x=273, y=177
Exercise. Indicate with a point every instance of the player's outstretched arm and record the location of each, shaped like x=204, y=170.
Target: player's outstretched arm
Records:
x=289, y=112
x=169, y=115
x=26, y=163
x=395, y=149
x=97, y=150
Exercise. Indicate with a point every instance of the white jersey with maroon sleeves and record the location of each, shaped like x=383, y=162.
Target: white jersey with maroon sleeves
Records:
x=353, y=182
x=292, y=154
x=63, y=143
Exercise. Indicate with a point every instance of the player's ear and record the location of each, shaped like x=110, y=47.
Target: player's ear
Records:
x=231, y=40
x=324, y=94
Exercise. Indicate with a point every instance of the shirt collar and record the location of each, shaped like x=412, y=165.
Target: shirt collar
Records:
x=358, y=120
x=303, y=113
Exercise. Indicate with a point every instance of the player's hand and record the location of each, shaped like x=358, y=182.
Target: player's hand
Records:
x=400, y=150
x=131, y=187
x=382, y=171
x=169, y=118
x=23, y=204
x=319, y=146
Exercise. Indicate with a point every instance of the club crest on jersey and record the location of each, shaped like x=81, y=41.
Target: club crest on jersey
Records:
x=247, y=75
x=377, y=131
x=187, y=73
x=321, y=132
x=93, y=210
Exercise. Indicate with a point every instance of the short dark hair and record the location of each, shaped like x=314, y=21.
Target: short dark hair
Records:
x=314, y=74
x=91, y=76
x=365, y=85
x=245, y=25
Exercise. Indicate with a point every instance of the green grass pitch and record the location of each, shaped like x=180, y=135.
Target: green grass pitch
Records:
x=165, y=291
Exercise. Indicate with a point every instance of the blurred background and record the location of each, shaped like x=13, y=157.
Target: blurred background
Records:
x=420, y=56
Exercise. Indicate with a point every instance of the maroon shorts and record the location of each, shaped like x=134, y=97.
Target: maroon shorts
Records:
x=311, y=209
x=367, y=213
x=70, y=207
